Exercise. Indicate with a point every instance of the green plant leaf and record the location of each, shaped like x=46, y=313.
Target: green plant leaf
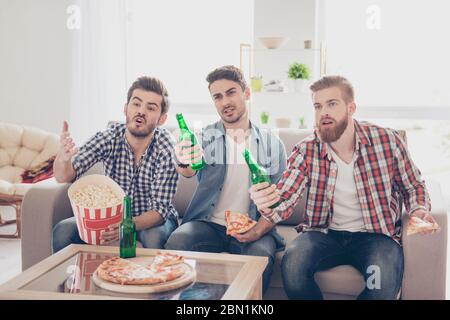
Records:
x=298, y=71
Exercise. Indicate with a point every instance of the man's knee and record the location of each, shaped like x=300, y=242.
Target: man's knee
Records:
x=266, y=248
x=63, y=234
x=298, y=257
x=154, y=238
x=179, y=240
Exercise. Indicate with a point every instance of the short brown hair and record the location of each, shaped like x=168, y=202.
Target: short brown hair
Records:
x=335, y=81
x=153, y=85
x=229, y=73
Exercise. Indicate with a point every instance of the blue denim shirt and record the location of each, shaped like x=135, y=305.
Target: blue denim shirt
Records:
x=268, y=151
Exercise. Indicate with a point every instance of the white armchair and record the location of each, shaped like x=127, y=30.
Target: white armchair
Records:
x=21, y=148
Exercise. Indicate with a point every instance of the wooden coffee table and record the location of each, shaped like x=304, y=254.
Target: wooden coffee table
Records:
x=68, y=275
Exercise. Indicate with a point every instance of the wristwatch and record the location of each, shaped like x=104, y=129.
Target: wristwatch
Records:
x=181, y=165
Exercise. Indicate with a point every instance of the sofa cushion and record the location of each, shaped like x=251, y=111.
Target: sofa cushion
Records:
x=24, y=157
x=11, y=135
x=11, y=174
x=50, y=149
x=7, y=155
x=34, y=139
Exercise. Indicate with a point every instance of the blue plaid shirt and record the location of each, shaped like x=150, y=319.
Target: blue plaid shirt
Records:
x=151, y=185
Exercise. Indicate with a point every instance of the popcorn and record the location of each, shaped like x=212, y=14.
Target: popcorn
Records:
x=95, y=196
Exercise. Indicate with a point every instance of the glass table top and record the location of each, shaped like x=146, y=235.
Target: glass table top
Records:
x=74, y=276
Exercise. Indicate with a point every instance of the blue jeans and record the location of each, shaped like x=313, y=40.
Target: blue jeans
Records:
x=66, y=233
x=377, y=257
x=211, y=237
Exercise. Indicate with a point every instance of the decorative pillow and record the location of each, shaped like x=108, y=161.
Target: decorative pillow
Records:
x=40, y=172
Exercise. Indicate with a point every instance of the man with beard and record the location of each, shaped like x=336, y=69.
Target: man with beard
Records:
x=224, y=182
x=354, y=174
x=138, y=156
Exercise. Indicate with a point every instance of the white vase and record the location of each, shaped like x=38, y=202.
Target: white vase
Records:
x=300, y=85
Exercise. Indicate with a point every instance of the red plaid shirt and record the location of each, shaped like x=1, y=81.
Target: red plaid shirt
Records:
x=383, y=171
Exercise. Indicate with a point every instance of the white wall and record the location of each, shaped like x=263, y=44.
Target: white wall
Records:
x=34, y=63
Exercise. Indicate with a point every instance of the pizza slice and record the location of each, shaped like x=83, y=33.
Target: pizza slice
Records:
x=238, y=222
x=416, y=225
x=165, y=259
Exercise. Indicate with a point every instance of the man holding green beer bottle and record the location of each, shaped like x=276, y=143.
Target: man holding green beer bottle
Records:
x=224, y=177
x=138, y=156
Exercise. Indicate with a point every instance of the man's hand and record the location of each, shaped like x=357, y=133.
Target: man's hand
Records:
x=264, y=196
x=67, y=147
x=187, y=154
x=110, y=235
x=62, y=167
x=249, y=236
x=261, y=228
x=425, y=216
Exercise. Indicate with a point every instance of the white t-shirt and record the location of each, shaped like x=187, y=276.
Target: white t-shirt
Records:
x=347, y=213
x=234, y=195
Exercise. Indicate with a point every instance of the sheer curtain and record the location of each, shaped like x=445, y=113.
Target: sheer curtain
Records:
x=98, y=77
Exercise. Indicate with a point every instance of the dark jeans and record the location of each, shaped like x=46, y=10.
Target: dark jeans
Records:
x=211, y=237
x=377, y=257
x=66, y=232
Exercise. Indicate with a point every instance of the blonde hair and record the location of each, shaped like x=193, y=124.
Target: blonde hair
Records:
x=335, y=81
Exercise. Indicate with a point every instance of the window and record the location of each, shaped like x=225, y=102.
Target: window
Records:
x=394, y=52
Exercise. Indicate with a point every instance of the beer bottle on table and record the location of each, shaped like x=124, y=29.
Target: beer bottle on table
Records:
x=127, y=231
x=258, y=173
x=188, y=135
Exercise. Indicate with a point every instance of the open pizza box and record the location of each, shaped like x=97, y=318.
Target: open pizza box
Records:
x=92, y=221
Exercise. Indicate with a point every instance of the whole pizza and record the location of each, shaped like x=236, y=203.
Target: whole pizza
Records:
x=164, y=268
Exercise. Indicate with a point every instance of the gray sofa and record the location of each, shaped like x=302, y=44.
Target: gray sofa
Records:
x=425, y=256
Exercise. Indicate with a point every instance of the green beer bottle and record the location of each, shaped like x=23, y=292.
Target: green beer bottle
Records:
x=127, y=231
x=188, y=135
x=259, y=174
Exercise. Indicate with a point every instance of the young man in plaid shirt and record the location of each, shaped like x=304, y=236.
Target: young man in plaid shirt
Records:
x=138, y=156
x=352, y=174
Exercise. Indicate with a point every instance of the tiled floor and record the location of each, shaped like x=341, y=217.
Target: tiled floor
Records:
x=10, y=258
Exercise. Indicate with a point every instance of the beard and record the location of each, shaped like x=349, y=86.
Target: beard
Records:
x=143, y=132
x=237, y=115
x=329, y=135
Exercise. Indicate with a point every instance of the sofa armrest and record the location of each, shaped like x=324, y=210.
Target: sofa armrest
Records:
x=426, y=255
x=43, y=206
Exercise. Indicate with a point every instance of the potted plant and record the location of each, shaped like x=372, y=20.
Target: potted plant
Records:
x=299, y=72
x=256, y=83
x=264, y=117
x=301, y=123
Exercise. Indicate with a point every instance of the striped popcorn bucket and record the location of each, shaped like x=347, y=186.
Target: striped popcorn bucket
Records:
x=91, y=222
